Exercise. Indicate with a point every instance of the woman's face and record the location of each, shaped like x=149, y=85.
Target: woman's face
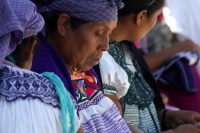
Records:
x=82, y=48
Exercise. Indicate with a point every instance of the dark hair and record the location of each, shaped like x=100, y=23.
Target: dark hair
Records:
x=51, y=23
x=17, y=54
x=135, y=6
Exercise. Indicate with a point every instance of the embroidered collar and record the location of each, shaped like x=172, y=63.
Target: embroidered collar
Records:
x=19, y=83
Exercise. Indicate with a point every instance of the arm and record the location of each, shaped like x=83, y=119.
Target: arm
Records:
x=157, y=60
x=80, y=130
x=116, y=101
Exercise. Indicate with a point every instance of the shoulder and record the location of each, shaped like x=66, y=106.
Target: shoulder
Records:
x=19, y=83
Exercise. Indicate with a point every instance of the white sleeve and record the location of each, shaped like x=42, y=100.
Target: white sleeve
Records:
x=114, y=78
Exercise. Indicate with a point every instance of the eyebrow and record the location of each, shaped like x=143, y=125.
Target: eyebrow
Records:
x=101, y=26
x=107, y=27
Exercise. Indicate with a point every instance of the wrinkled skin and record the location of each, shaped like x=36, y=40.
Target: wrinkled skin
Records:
x=175, y=118
x=188, y=128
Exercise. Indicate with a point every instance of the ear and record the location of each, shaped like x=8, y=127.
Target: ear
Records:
x=140, y=17
x=63, y=24
x=29, y=50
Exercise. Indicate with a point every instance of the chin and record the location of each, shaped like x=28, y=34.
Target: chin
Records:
x=86, y=68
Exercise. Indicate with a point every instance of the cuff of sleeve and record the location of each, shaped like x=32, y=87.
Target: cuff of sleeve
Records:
x=109, y=90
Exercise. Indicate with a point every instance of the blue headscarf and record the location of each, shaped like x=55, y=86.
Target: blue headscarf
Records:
x=19, y=20
x=89, y=10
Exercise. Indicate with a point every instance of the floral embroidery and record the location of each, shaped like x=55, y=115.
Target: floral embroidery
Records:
x=84, y=87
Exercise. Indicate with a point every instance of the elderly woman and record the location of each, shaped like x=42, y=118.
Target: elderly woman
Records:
x=29, y=102
x=73, y=41
x=126, y=76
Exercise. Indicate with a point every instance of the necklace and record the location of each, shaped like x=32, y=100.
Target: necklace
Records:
x=78, y=74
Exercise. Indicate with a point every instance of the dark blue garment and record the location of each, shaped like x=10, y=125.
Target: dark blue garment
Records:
x=46, y=59
x=179, y=73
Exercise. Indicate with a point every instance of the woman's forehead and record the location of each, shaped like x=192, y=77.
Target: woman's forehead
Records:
x=107, y=25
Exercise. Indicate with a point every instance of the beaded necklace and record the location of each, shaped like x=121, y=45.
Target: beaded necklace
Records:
x=78, y=74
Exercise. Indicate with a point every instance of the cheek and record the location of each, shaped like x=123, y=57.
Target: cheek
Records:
x=84, y=50
x=154, y=20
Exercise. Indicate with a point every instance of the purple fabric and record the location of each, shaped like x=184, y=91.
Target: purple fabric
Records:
x=46, y=59
x=180, y=75
x=19, y=20
x=90, y=10
x=180, y=99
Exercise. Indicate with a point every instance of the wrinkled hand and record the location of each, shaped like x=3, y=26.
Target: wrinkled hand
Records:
x=188, y=45
x=175, y=118
x=188, y=128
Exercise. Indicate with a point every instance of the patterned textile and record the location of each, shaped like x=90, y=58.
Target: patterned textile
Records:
x=139, y=92
x=149, y=120
x=131, y=115
x=97, y=112
x=146, y=119
x=108, y=89
x=90, y=10
x=141, y=114
x=104, y=123
x=19, y=20
x=19, y=83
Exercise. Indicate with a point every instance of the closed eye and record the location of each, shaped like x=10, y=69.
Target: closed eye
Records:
x=99, y=33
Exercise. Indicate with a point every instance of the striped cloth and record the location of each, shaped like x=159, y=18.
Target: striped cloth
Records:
x=137, y=105
x=90, y=10
x=19, y=20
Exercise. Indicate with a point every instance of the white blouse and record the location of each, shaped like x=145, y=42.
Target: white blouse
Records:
x=30, y=116
x=27, y=108
x=114, y=78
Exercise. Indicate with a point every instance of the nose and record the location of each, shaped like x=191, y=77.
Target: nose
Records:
x=104, y=44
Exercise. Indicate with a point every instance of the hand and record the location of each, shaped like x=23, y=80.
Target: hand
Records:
x=188, y=128
x=187, y=45
x=175, y=118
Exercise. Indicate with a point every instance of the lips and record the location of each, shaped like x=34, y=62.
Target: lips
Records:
x=95, y=60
